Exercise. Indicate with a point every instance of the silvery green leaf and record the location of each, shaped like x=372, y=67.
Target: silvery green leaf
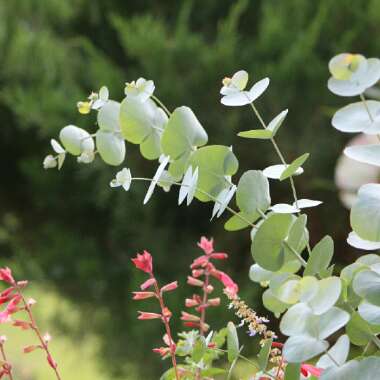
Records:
x=306, y=203
x=283, y=208
x=296, y=319
x=275, y=171
x=232, y=342
x=339, y=352
x=226, y=200
x=366, y=284
x=261, y=134
x=369, y=312
x=345, y=87
x=365, y=213
x=276, y=123
x=56, y=146
x=299, y=348
x=329, y=322
x=328, y=293
x=348, y=371
x=368, y=154
x=108, y=117
x=253, y=192
x=111, y=147
x=192, y=187
x=354, y=118
x=258, y=274
x=76, y=140
x=273, y=304
x=185, y=186
x=320, y=256
x=258, y=88
x=355, y=241
x=237, y=83
x=155, y=179
x=309, y=286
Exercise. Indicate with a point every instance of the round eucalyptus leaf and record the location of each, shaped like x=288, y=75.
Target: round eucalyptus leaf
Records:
x=367, y=285
x=258, y=274
x=360, y=331
x=235, y=223
x=365, y=213
x=298, y=235
x=369, y=312
x=111, y=147
x=347, y=371
x=267, y=245
x=109, y=117
x=215, y=163
x=368, y=154
x=355, y=241
x=182, y=133
x=339, y=352
x=76, y=140
x=272, y=303
x=253, y=192
x=295, y=320
x=328, y=323
x=328, y=293
x=308, y=288
x=354, y=118
x=299, y=348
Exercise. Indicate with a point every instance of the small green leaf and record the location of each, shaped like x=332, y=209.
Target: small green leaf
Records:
x=360, y=331
x=232, y=342
x=199, y=349
x=293, y=167
x=235, y=223
x=367, y=285
x=111, y=147
x=320, y=256
x=262, y=134
x=263, y=356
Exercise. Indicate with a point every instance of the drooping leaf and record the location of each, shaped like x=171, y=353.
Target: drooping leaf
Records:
x=261, y=134
x=232, y=342
x=263, y=356
x=110, y=147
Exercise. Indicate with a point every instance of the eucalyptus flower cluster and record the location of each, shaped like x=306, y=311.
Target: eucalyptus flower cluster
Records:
x=301, y=283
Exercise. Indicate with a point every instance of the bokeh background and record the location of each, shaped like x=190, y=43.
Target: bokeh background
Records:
x=70, y=234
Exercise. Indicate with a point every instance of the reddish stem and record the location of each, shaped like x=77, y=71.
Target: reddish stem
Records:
x=4, y=357
x=38, y=333
x=204, y=302
x=167, y=326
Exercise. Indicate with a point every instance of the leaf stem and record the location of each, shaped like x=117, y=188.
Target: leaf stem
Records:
x=295, y=253
x=162, y=105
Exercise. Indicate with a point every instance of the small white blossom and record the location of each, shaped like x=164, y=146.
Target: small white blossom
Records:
x=47, y=338
x=49, y=162
x=123, y=178
x=141, y=89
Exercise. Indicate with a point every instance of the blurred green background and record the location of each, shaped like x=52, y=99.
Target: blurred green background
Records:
x=70, y=233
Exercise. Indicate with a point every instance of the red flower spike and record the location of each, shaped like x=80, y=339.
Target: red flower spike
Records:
x=200, y=261
x=206, y=245
x=29, y=349
x=142, y=295
x=6, y=276
x=148, y=283
x=189, y=317
x=147, y=316
x=219, y=256
x=23, y=324
x=51, y=362
x=162, y=351
x=144, y=262
x=170, y=287
x=192, y=325
x=7, y=292
x=209, y=289
x=191, y=302
x=167, y=313
x=194, y=282
x=214, y=302
x=197, y=272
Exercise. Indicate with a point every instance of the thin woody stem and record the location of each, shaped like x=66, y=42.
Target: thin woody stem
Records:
x=167, y=326
x=162, y=105
x=231, y=210
x=37, y=332
x=363, y=99
x=4, y=357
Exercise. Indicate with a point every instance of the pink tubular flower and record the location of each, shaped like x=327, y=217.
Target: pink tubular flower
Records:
x=189, y=317
x=4, y=317
x=146, y=316
x=23, y=324
x=162, y=351
x=169, y=287
x=229, y=285
x=6, y=275
x=308, y=369
x=142, y=295
x=51, y=362
x=214, y=302
x=144, y=262
x=147, y=284
x=206, y=245
x=219, y=256
x=194, y=282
